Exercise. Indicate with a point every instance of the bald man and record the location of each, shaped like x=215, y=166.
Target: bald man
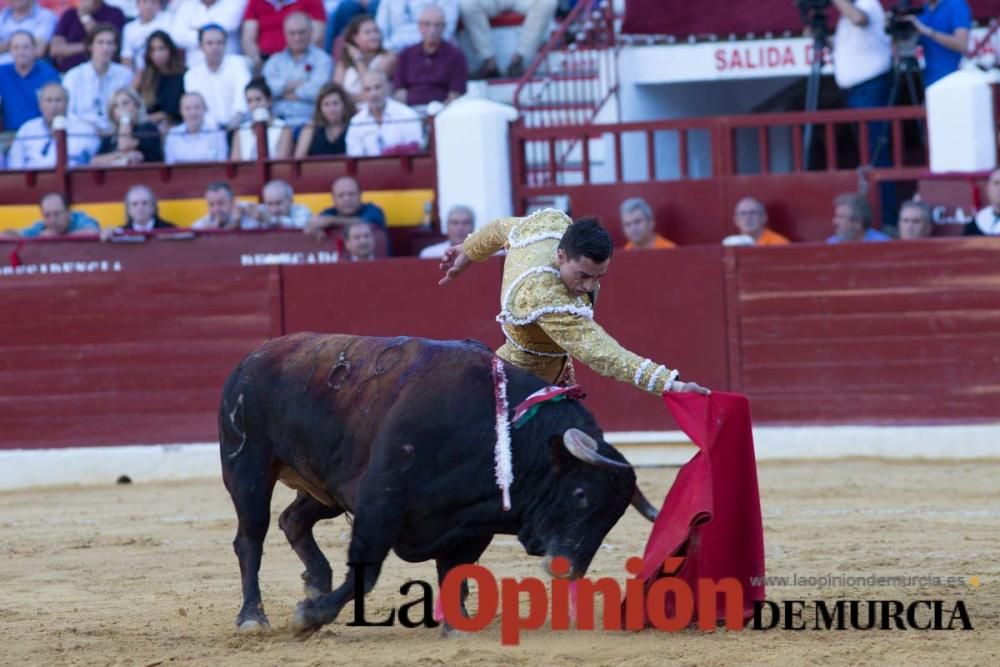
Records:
x=347, y=209
x=383, y=125
x=750, y=217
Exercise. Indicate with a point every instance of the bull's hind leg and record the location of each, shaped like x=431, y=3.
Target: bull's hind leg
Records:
x=250, y=487
x=297, y=523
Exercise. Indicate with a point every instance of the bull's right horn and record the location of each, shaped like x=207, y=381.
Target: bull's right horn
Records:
x=583, y=447
x=644, y=507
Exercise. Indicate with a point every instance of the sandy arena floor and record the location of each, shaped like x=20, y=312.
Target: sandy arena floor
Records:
x=145, y=575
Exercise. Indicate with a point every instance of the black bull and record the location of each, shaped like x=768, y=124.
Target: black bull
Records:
x=400, y=432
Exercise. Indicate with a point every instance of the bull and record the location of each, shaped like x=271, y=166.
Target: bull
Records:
x=400, y=433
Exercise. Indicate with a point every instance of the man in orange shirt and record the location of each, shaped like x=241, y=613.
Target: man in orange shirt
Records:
x=640, y=227
x=750, y=218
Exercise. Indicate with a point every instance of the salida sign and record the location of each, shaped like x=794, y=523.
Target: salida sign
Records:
x=762, y=56
x=641, y=602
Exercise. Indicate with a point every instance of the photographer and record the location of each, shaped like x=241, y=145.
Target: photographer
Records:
x=862, y=54
x=944, y=35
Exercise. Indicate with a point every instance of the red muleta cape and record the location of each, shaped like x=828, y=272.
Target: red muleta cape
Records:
x=711, y=515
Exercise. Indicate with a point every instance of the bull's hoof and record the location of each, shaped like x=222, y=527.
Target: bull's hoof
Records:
x=315, y=586
x=448, y=632
x=252, y=625
x=312, y=592
x=304, y=620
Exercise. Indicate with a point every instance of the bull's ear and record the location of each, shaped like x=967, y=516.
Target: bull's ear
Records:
x=561, y=459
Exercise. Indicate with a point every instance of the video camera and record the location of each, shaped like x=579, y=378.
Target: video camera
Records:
x=896, y=25
x=813, y=13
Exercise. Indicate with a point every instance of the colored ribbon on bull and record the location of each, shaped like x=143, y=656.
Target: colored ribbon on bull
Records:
x=530, y=406
x=501, y=454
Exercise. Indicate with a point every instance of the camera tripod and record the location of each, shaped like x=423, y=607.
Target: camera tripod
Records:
x=817, y=25
x=905, y=70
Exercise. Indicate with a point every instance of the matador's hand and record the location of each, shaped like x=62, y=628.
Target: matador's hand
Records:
x=453, y=262
x=678, y=386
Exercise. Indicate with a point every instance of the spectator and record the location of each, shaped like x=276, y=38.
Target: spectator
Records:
x=362, y=52
x=852, y=219
x=20, y=81
x=433, y=70
x=297, y=73
x=639, y=226
x=90, y=84
x=359, y=241
x=196, y=139
x=224, y=212
x=130, y=8
x=914, y=220
x=161, y=82
x=58, y=220
x=325, y=133
x=347, y=209
x=25, y=16
x=69, y=47
x=193, y=15
x=944, y=28
x=264, y=33
x=151, y=19
x=142, y=214
x=383, y=125
x=476, y=15
x=750, y=217
x=278, y=207
x=34, y=145
x=461, y=222
x=345, y=12
x=279, y=135
x=221, y=79
x=987, y=221
x=397, y=19
x=133, y=138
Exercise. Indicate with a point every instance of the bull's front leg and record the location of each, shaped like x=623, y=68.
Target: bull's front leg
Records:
x=465, y=554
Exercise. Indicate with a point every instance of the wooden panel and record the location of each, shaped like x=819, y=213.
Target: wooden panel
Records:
x=128, y=358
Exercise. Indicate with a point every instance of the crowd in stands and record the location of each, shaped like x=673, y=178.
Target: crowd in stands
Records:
x=329, y=77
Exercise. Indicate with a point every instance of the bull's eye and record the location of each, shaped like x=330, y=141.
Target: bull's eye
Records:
x=581, y=496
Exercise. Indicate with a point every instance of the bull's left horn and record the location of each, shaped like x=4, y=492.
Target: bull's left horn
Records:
x=583, y=447
x=644, y=507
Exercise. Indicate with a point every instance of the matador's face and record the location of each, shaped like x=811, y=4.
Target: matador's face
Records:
x=581, y=274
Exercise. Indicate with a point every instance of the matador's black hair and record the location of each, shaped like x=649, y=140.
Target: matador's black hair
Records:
x=588, y=238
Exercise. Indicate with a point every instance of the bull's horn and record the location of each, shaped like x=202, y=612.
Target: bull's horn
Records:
x=644, y=506
x=583, y=447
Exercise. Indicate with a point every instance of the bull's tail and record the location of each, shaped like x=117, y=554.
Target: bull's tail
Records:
x=232, y=417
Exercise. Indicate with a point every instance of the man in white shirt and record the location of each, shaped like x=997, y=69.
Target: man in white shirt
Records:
x=862, y=54
x=191, y=16
x=383, y=124
x=34, y=144
x=220, y=79
x=135, y=33
x=397, y=19
x=461, y=222
x=92, y=83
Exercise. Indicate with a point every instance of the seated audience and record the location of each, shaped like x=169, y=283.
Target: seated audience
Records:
x=224, y=212
x=34, y=144
x=279, y=135
x=433, y=70
x=150, y=19
x=142, y=214
x=359, y=243
x=383, y=125
x=460, y=223
x=29, y=17
x=58, y=220
x=69, y=47
x=161, y=82
x=639, y=226
x=397, y=19
x=914, y=221
x=346, y=210
x=326, y=132
x=196, y=139
x=297, y=73
x=852, y=219
x=133, y=138
x=750, y=217
x=278, y=208
x=90, y=84
x=221, y=80
x=987, y=220
x=476, y=15
x=20, y=81
x=263, y=32
x=190, y=16
x=362, y=51
x=345, y=12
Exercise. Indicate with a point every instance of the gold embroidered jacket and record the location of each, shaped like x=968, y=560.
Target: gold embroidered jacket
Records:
x=541, y=318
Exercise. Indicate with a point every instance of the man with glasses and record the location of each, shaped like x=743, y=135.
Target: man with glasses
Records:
x=34, y=145
x=432, y=70
x=750, y=217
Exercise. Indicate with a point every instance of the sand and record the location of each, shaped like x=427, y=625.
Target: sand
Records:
x=144, y=574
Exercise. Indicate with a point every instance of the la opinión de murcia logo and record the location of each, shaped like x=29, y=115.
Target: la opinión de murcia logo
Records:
x=550, y=601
